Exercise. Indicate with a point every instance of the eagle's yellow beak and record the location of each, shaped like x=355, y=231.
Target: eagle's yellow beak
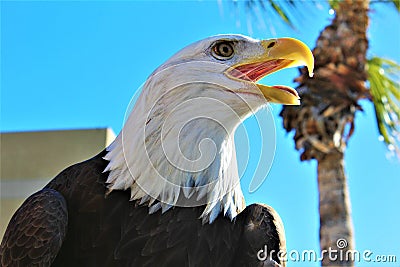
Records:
x=279, y=54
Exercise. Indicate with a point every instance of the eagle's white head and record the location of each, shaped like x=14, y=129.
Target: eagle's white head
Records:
x=177, y=147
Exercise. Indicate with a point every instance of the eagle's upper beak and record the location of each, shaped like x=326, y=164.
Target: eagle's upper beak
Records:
x=279, y=54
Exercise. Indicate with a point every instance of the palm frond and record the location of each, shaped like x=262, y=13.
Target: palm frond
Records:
x=394, y=3
x=291, y=12
x=278, y=8
x=334, y=3
x=384, y=78
x=274, y=6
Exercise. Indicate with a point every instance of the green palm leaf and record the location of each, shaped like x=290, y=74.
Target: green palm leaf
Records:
x=283, y=8
x=395, y=3
x=280, y=8
x=384, y=77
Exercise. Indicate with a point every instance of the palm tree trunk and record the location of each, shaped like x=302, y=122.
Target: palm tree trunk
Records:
x=325, y=121
x=336, y=230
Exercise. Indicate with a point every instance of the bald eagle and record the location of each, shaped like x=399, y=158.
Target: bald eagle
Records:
x=166, y=192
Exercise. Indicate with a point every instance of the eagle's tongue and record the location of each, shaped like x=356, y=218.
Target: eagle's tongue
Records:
x=256, y=71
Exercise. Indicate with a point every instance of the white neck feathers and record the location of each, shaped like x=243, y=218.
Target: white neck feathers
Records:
x=176, y=147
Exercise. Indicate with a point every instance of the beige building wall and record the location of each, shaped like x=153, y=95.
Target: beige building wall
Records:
x=29, y=160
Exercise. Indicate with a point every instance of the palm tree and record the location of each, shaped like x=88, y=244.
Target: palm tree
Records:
x=329, y=104
x=325, y=120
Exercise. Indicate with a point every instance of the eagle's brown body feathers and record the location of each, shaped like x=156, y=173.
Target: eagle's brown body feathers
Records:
x=74, y=223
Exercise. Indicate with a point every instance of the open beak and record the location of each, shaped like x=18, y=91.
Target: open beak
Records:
x=279, y=54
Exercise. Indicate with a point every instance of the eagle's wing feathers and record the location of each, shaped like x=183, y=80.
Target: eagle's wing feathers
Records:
x=36, y=231
x=262, y=230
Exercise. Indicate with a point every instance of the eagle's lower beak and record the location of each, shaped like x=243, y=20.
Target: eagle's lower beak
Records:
x=279, y=54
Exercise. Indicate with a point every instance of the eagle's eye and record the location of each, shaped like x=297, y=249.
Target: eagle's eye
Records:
x=223, y=50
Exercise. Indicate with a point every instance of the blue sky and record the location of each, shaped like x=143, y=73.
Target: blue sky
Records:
x=69, y=65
